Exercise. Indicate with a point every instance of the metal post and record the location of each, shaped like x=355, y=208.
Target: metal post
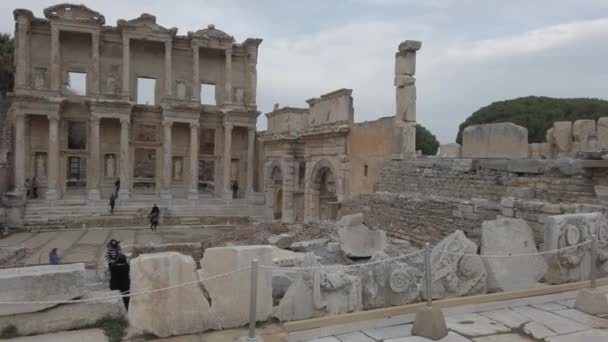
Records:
x=253, y=299
x=427, y=275
x=593, y=260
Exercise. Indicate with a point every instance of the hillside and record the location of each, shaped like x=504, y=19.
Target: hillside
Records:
x=536, y=113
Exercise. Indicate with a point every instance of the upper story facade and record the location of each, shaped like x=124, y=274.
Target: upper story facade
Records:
x=72, y=53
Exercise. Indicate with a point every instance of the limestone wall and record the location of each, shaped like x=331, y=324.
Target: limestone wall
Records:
x=499, y=140
x=333, y=107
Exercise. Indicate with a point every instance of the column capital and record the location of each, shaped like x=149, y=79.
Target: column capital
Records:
x=125, y=121
x=195, y=124
x=167, y=124
x=228, y=126
x=95, y=119
x=53, y=116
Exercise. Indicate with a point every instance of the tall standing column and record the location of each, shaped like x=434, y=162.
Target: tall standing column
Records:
x=94, y=160
x=125, y=163
x=193, y=192
x=228, y=78
x=167, y=159
x=289, y=170
x=250, y=159
x=227, y=160
x=55, y=60
x=22, y=52
x=19, y=170
x=126, y=59
x=168, y=68
x=252, y=75
x=53, y=158
x=196, y=79
x=95, y=75
x=405, y=117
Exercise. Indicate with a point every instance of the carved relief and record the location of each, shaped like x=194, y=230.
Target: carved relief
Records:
x=40, y=78
x=178, y=166
x=145, y=132
x=239, y=95
x=181, y=90
x=40, y=162
x=112, y=80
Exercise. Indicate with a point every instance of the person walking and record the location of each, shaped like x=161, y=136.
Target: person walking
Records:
x=154, y=216
x=116, y=187
x=34, y=188
x=112, y=203
x=119, y=278
x=54, y=257
x=113, y=251
x=28, y=188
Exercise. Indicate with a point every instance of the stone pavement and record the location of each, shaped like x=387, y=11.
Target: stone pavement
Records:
x=519, y=321
x=89, y=245
x=90, y=335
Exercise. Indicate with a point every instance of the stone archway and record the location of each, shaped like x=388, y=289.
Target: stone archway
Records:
x=323, y=193
x=274, y=187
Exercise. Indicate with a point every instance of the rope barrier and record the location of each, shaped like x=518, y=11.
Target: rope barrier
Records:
x=520, y=255
x=136, y=294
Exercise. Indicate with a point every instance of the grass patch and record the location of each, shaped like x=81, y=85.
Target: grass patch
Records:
x=9, y=331
x=114, y=328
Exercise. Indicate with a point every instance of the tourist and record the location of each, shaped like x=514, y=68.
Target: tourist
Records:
x=54, y=257
x=28, y=188
x=235, y=189
x=116, y=187
x=154, y=215
x=112, y=203
x=34, y=188
x=113, y=252
x=119, y=278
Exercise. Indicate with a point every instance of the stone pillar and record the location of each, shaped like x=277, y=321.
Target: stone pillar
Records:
x=168, y=68
x=307, y=193
x=289, y=170
x=228, y=78
x=94, y=173
x=19, y=167
x=126, y=59
x=22, y=53
x=252, y=76
x=250, y=159
x=165, y=192
x=95, y=75
x=405, y=69
x=125, y=163
x=193, y=192
x=53, y=158
x=55, y=60
x=196, y=79
x=227, y=161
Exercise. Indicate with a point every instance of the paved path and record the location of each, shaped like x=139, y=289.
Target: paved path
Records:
x=518, y=321
x=91, y=335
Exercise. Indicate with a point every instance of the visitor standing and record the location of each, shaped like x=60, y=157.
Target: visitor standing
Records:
x=28, y=188
x=235, y=189
x=34, y=188
x=116, y=187
x=113, y=252
x=112, y=203
x=54, y=257
x=154, y=215
x=119, y=278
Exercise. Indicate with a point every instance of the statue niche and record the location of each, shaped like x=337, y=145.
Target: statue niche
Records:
x=40, y=160
x=177, y=168
x=110, y=169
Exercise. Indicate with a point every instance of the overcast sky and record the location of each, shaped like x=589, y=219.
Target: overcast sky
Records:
x=473, y=52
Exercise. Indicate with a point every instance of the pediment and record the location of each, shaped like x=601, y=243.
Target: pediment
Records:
x=146, y=23
x=211, y=33
x=77, y=13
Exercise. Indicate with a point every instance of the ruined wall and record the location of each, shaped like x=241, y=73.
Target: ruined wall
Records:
x=370, y=144
x=287, y=119
x=333, y=107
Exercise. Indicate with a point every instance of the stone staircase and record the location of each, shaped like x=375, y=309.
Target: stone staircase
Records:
x=74, y=212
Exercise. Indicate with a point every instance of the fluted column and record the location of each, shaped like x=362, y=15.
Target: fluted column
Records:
x=228, y=80
x=94, y=160
x=95, y=75
x=22, y=53
x=125, y=163
x=227, y=160
x=167, y=159
x=168, y=68
x=250, y=158
x=193, y=192
x=126, y=56
x=19, y=170
x=53, y=158
x=55, y=60
x=196, y=79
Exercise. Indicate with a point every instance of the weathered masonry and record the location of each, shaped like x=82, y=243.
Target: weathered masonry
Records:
x=170, y=116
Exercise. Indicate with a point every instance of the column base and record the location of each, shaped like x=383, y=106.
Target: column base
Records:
x=227, y=195
x=193, y=194
x=166, y=194
x=124, y=194
x=52, y=194
x=94, y=195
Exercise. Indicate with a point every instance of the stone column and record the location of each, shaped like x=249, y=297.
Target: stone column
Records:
x=193, y=192
x=252, y=76
x=227, y=161
x=126, y=59
x=168, y=68
x=94, y=160
x=22, y=53
x=95, y=75
x=167, y=160
x=196, y=79
x=125, y=163
x=405, y=69
x=307, y=193
x=19, y=170
x=55, y=60
x=228, y=78
x=288, y=188
x=250, y=159
x=53, y=158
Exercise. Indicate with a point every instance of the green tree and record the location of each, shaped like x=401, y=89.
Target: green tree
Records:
x=7, y=69
x=426, y=141
x=536, y=113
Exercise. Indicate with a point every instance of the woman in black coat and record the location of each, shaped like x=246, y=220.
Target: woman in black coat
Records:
x=119, y=277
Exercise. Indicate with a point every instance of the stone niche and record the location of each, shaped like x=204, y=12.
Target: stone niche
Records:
x=499, y=140
x=110, y=163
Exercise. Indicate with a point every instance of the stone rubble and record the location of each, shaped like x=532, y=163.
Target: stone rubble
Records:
x=358, y=241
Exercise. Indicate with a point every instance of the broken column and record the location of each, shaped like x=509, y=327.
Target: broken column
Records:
x=405, y=116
